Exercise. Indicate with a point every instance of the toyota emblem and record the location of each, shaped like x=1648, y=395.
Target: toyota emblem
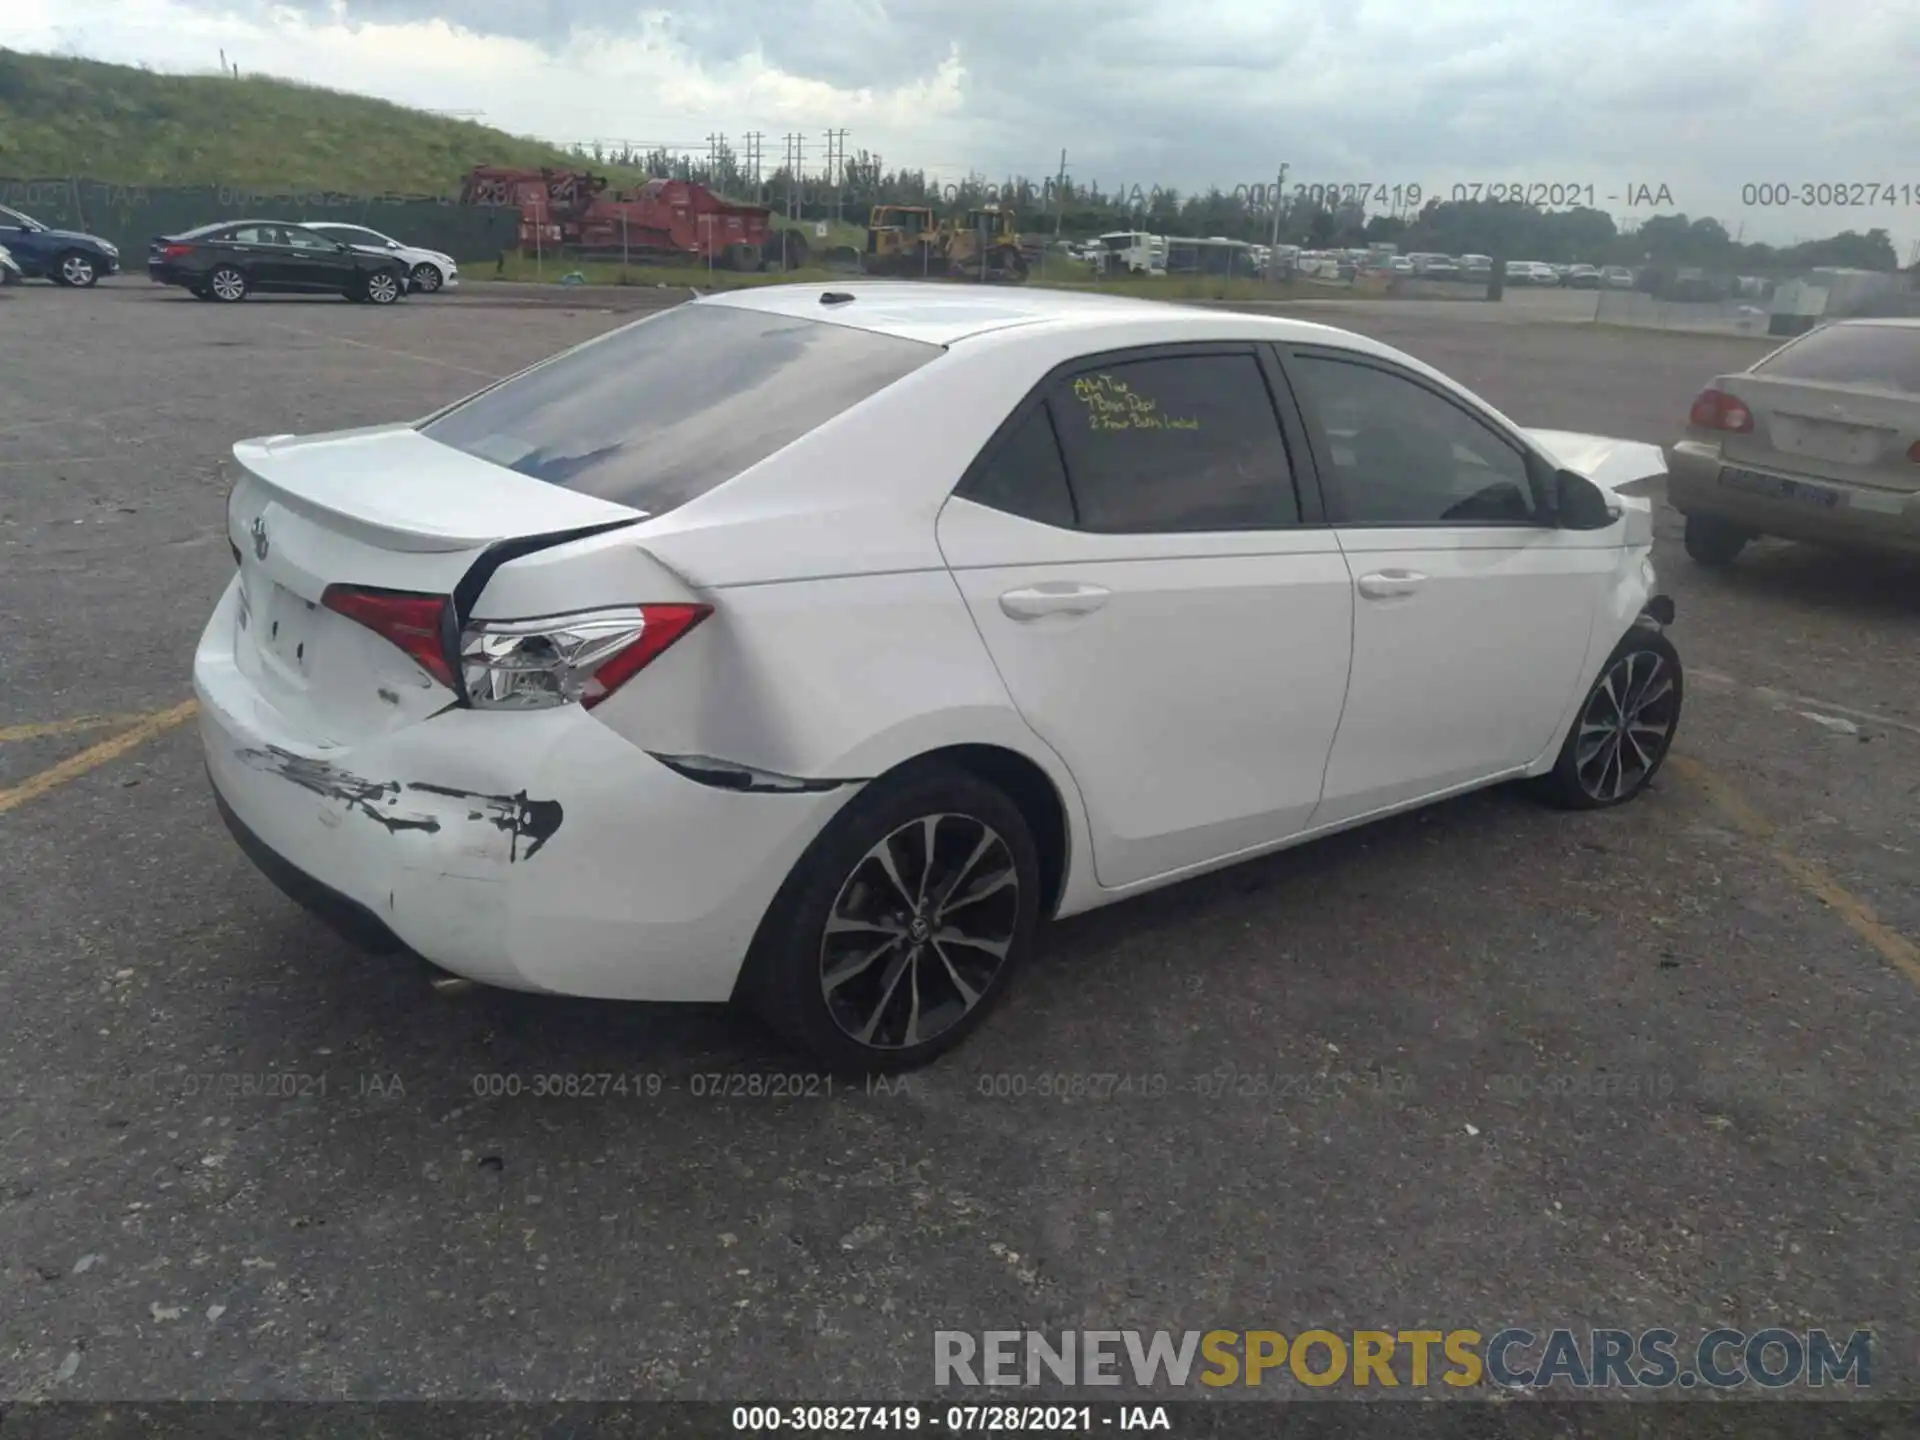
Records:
x=260, y=542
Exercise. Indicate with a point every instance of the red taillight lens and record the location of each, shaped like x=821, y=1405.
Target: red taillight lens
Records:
x=1913, y=452
x=174, y=252
x=1717, y=410
x=664, y=624
x=416, y=623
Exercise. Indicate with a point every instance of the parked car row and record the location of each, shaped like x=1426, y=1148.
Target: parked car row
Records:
x=231, y=259
x=228, y=260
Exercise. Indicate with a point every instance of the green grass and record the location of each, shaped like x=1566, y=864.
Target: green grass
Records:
x=550, y=270
x=129, y=126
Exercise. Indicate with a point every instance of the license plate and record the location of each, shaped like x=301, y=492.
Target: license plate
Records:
x=1833, y=440
x=1779, y=487
x=284, y=627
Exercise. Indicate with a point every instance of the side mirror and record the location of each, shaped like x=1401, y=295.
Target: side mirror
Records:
x=1579, y=504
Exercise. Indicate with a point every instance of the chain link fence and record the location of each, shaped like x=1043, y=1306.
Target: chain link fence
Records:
x=131, y=215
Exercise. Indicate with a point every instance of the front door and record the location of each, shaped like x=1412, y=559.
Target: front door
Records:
x=1166, y=612
x=1472, y=611
x=319, y=262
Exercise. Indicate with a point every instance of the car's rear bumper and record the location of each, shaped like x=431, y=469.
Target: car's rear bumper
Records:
x=1863, y=518
x=535, y=851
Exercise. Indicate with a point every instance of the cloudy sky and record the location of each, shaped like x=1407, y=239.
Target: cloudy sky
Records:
x=1703, y=97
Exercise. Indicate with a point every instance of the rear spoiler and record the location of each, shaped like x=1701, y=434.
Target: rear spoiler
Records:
x=1619, y=467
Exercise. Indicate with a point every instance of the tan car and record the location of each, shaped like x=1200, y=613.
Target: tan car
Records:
x=1820, y=441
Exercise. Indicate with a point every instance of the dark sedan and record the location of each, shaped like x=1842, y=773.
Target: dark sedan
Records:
x=66, y=257
x=233, y=259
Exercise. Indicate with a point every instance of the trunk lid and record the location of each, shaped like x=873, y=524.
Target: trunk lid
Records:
x=381, y=508
x=1832, y=432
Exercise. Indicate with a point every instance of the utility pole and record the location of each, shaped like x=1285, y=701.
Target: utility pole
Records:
x=714, y=142
x=1273, y=245
x=1060, y=196
x=750, y=159
x=837, y=166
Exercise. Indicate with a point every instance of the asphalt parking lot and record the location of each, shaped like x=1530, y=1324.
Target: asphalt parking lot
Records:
x=1655, y=1067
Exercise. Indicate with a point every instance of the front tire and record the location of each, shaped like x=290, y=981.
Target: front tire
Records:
x=1624, y=729
x=901, y=926
x=427, y=278
x=75, y=270
x=1712, y=541
x=228, y=285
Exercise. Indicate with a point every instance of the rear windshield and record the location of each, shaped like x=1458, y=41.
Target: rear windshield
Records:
x=1883, y=357
x=663, y=410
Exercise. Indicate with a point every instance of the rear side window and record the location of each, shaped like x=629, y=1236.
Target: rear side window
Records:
x=1881, y=357
x=1023, y=474
x=661, y=411
x=1173, y=444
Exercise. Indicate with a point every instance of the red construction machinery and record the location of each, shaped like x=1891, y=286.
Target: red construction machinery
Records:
x=575, y=212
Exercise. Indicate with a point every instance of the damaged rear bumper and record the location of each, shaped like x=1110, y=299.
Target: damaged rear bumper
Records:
x=534, y=851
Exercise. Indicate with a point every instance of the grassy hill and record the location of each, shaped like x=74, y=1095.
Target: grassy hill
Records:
x=130, y=126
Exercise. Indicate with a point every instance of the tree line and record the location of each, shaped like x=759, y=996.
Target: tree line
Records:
x=1074, y=210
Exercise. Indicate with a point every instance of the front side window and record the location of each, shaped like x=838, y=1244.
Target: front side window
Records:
x=1173, y=444
x=312, y=240
x=1398, y=454
x=660, y=411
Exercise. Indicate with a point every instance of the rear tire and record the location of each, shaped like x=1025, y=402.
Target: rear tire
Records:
x=228, y=285
x=1624, y=729
x=1713, y=541
x=866, y=961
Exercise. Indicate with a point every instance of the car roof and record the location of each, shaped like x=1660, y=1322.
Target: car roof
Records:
x=946, y=314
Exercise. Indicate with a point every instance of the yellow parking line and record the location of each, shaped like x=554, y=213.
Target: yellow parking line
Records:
x=1893, y=947
x=74, y=726
x=77, y=765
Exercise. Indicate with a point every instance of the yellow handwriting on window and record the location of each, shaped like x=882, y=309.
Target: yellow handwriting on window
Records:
x=1113, y=405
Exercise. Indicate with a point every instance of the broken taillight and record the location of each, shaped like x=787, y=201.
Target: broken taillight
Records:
x=1717, y=410
x=567, y=659
x=416, y=623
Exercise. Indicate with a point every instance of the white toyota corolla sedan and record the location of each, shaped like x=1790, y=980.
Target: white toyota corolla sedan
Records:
x=810, y=647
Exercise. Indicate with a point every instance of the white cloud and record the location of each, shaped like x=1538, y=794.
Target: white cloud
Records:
x=1702, y=96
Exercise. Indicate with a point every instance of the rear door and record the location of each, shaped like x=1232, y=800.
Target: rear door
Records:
x=1151, y=574
x=1472, y=610
x=1841, y=403
x=267, y=256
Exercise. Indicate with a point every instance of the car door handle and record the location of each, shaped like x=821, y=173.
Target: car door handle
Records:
x=1054, y=598
x=1386, y=584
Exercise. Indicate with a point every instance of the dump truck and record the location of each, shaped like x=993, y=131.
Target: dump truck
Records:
x=576, y=212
